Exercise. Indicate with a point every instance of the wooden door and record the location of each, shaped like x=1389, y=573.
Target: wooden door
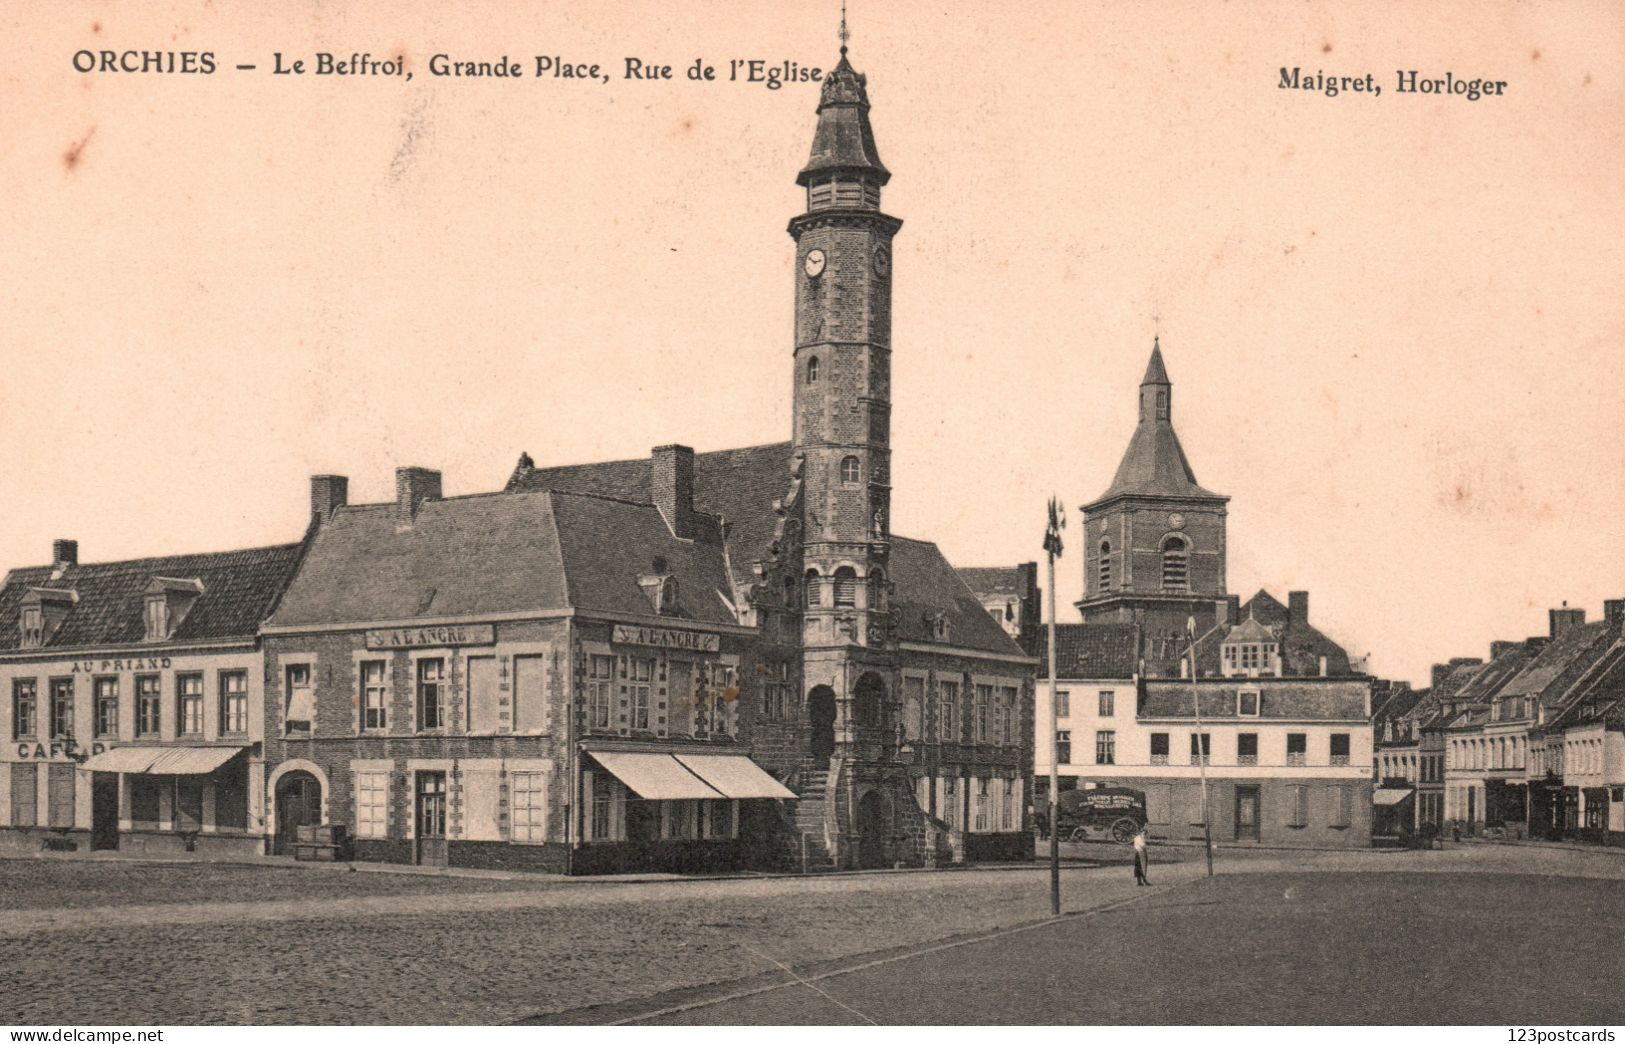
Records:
x=431, y=818
x=1247, y=813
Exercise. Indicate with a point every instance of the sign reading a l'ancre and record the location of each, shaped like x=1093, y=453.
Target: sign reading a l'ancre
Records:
x=446, y=635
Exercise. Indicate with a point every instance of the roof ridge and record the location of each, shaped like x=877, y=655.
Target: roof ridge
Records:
x=131, y=563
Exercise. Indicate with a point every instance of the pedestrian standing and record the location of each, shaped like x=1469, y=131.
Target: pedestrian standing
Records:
x=1140, y=858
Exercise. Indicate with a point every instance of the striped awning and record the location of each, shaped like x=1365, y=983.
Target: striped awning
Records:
x=655, y=777
x=162, y=761
x=1390, y=795
x=735, y=776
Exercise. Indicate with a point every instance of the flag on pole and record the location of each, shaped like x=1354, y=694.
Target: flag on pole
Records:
x=1057, y=522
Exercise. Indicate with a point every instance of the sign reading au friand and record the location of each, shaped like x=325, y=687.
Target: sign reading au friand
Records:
x=660, y=637
x=413, y=637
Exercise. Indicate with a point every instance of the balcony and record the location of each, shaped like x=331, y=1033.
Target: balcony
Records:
x=1338, y=759
x=1159, y=759
x=1246, y=759
x=1298, y=759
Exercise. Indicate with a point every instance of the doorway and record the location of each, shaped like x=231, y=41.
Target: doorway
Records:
x=431, y=819
x=821, y=717
x=1247, y=813
x=103, y=810
x=298, y=804
x=873, y=831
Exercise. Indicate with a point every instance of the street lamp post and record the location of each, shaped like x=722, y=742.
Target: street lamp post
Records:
x=1202, y=745
x=1052, y=548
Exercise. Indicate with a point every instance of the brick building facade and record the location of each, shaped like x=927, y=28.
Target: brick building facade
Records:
x=675, y=662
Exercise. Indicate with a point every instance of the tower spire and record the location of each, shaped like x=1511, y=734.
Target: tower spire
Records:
x=845, y=36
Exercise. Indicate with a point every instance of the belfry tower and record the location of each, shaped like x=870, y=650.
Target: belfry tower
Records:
x=1154, y=542
x=842, y=394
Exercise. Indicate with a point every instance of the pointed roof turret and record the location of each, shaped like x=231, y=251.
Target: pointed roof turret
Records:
x=1155, y=372
x=1154, y=464
x=844, y=143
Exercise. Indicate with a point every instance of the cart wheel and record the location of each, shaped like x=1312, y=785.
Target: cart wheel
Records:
x=1123, y=830
x=1079, y=834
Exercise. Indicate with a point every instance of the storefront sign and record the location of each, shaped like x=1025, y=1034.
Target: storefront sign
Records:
x=660, y=637
x=139, y=663
x=59, y=749
x=451, y=634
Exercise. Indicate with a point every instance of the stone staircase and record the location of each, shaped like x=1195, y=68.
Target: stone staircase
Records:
x=812, y=801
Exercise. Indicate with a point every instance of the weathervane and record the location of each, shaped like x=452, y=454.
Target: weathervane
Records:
x=845, y=36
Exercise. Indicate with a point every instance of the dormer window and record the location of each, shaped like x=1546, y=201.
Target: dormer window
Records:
x=941, y=631
x=33, y=624
x=1247, y=703
x=168, y=600
x=41, y=612
x=661, y=590
x=157, y=618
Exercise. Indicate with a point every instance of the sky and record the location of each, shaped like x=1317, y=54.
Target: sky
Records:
x=1393, y=322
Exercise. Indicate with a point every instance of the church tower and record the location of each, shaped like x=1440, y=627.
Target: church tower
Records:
x=842, y=390
x=1154, y=542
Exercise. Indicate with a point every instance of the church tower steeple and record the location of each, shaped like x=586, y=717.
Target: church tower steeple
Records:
x=842, y=368
x=1155, y=540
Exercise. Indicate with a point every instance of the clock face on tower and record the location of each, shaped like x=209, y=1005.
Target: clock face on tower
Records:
x=814, y=263
x=1176, y=521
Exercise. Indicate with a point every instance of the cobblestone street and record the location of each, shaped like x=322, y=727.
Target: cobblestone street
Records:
x=92, y=945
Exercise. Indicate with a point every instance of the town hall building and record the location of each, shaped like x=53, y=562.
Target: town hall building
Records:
x=683, y=661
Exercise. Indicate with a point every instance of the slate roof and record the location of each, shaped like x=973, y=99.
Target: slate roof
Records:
x=1154, y=464
x=739, y=487
x=1316, y=699
x=240, y=588
x=1491, y=680
x=499, y=553
x=992, y=580
x=1262, y=618
x=1602, y=682
x=1102, y=650
x=1561, y=656
x=843, y=140
x=925, y=584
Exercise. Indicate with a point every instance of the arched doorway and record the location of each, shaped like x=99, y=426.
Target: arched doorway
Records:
x=874, y=830
x=298, y=803
x=869, y=701
x=821, y=717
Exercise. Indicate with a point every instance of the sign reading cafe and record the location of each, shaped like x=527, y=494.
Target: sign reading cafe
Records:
x=662, y=638
x=450, y=634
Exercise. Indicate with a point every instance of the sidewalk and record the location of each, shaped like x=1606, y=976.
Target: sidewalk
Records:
x=289, y=863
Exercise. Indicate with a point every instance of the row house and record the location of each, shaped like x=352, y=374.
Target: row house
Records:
x=1591, y=750
x=1503, y=730
x=1286, y=749
x=133, y=702
x=1396, y=750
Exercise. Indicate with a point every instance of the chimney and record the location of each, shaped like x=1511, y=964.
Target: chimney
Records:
x=1613, y=610
x=64, y=553
x=671, y=487
x=1233, y=607
x=1565, y=618
x=1441, y=671
x=412, y=487
x=328, y=493
x=1499, y=649
x=1297, y=608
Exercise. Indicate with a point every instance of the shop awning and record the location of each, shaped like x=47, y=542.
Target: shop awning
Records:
x=1390, y=795
x=655, y=777
x=735, y=776
x=162, y=761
